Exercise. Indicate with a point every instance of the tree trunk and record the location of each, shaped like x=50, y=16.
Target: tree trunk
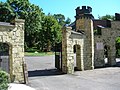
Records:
x=49, y=46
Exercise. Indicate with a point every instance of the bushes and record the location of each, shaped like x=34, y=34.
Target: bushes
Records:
x=3, y=80
x=31, y=49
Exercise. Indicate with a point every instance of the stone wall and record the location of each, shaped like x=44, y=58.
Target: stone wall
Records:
x=107, y=38
x=13, y=35
x=90, y=49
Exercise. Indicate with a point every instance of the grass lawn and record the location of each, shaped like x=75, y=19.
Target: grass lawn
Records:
x=38, y=53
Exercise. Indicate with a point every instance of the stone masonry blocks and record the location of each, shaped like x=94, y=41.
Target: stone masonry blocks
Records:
x=13, y=35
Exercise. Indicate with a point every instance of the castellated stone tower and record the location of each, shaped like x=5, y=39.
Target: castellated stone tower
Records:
x=84, y=25
x=83, y=17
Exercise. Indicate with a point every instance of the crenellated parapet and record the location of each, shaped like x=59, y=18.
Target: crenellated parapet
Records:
x=84, y=12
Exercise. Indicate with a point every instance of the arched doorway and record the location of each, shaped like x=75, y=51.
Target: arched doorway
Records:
x=107, y=55
x=4, y=57
x=110, y=55
x=77, y=57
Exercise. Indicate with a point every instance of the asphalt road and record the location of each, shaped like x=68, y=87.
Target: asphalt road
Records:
x=44, y=76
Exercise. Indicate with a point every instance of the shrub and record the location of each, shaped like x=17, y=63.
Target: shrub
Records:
x=31, y=49
x=3, y=80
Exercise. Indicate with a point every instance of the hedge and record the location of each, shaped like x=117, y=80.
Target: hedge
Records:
x=4, y=80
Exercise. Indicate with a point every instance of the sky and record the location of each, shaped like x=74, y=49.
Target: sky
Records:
x=67, y=7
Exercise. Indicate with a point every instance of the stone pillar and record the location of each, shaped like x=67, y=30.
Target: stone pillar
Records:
x=89, y=45
x=86, y=25
x=18, y=51
x=67, y=51
x=112, y=55
x=13, y=35
x=64, y=50
x=70, y=54
x=99, y=58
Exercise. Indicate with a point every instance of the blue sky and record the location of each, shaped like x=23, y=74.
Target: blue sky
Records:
x=67, y=7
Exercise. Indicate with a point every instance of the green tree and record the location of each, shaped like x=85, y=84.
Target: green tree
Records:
x=41, y=31
x=19, y=7
x=23, y=9
x=61, y=19
x=51, y=32
x=6, y=12
x=33, y=26
x=107, y=17
x=68, y=21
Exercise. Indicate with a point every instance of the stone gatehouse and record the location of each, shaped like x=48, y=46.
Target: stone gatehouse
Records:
x=90, y=47
x=13, y=36
x=79, y=38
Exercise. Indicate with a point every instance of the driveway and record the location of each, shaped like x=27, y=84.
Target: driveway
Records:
x=44, y=76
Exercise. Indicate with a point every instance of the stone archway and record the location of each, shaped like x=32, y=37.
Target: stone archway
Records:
x=13, y=35
x=69, y=41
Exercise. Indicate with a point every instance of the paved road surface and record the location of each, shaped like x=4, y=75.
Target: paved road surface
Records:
x=43, y=76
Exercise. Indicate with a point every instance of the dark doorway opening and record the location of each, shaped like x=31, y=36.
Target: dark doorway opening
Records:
x=4, y=57
x=77, y=57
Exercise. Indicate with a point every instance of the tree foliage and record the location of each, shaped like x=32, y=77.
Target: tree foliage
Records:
x=41, y=31
x=3, y=80
x=107, y=17
x=6, y=12
x=61, y=19
x=68, y=21
x=33, y=26
x=52, y=32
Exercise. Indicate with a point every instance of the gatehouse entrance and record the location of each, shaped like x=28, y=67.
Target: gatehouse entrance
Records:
x=77, y=57
x=45, y=65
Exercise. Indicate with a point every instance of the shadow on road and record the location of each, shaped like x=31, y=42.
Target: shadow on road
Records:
x=107, y=65
x=118, y=64
x=46, y=72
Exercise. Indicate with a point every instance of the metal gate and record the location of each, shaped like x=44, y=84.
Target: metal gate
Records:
x=58, y=56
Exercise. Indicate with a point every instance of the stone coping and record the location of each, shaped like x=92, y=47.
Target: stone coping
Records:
x=19, y=20
x=74, y=32
x=6, y=24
